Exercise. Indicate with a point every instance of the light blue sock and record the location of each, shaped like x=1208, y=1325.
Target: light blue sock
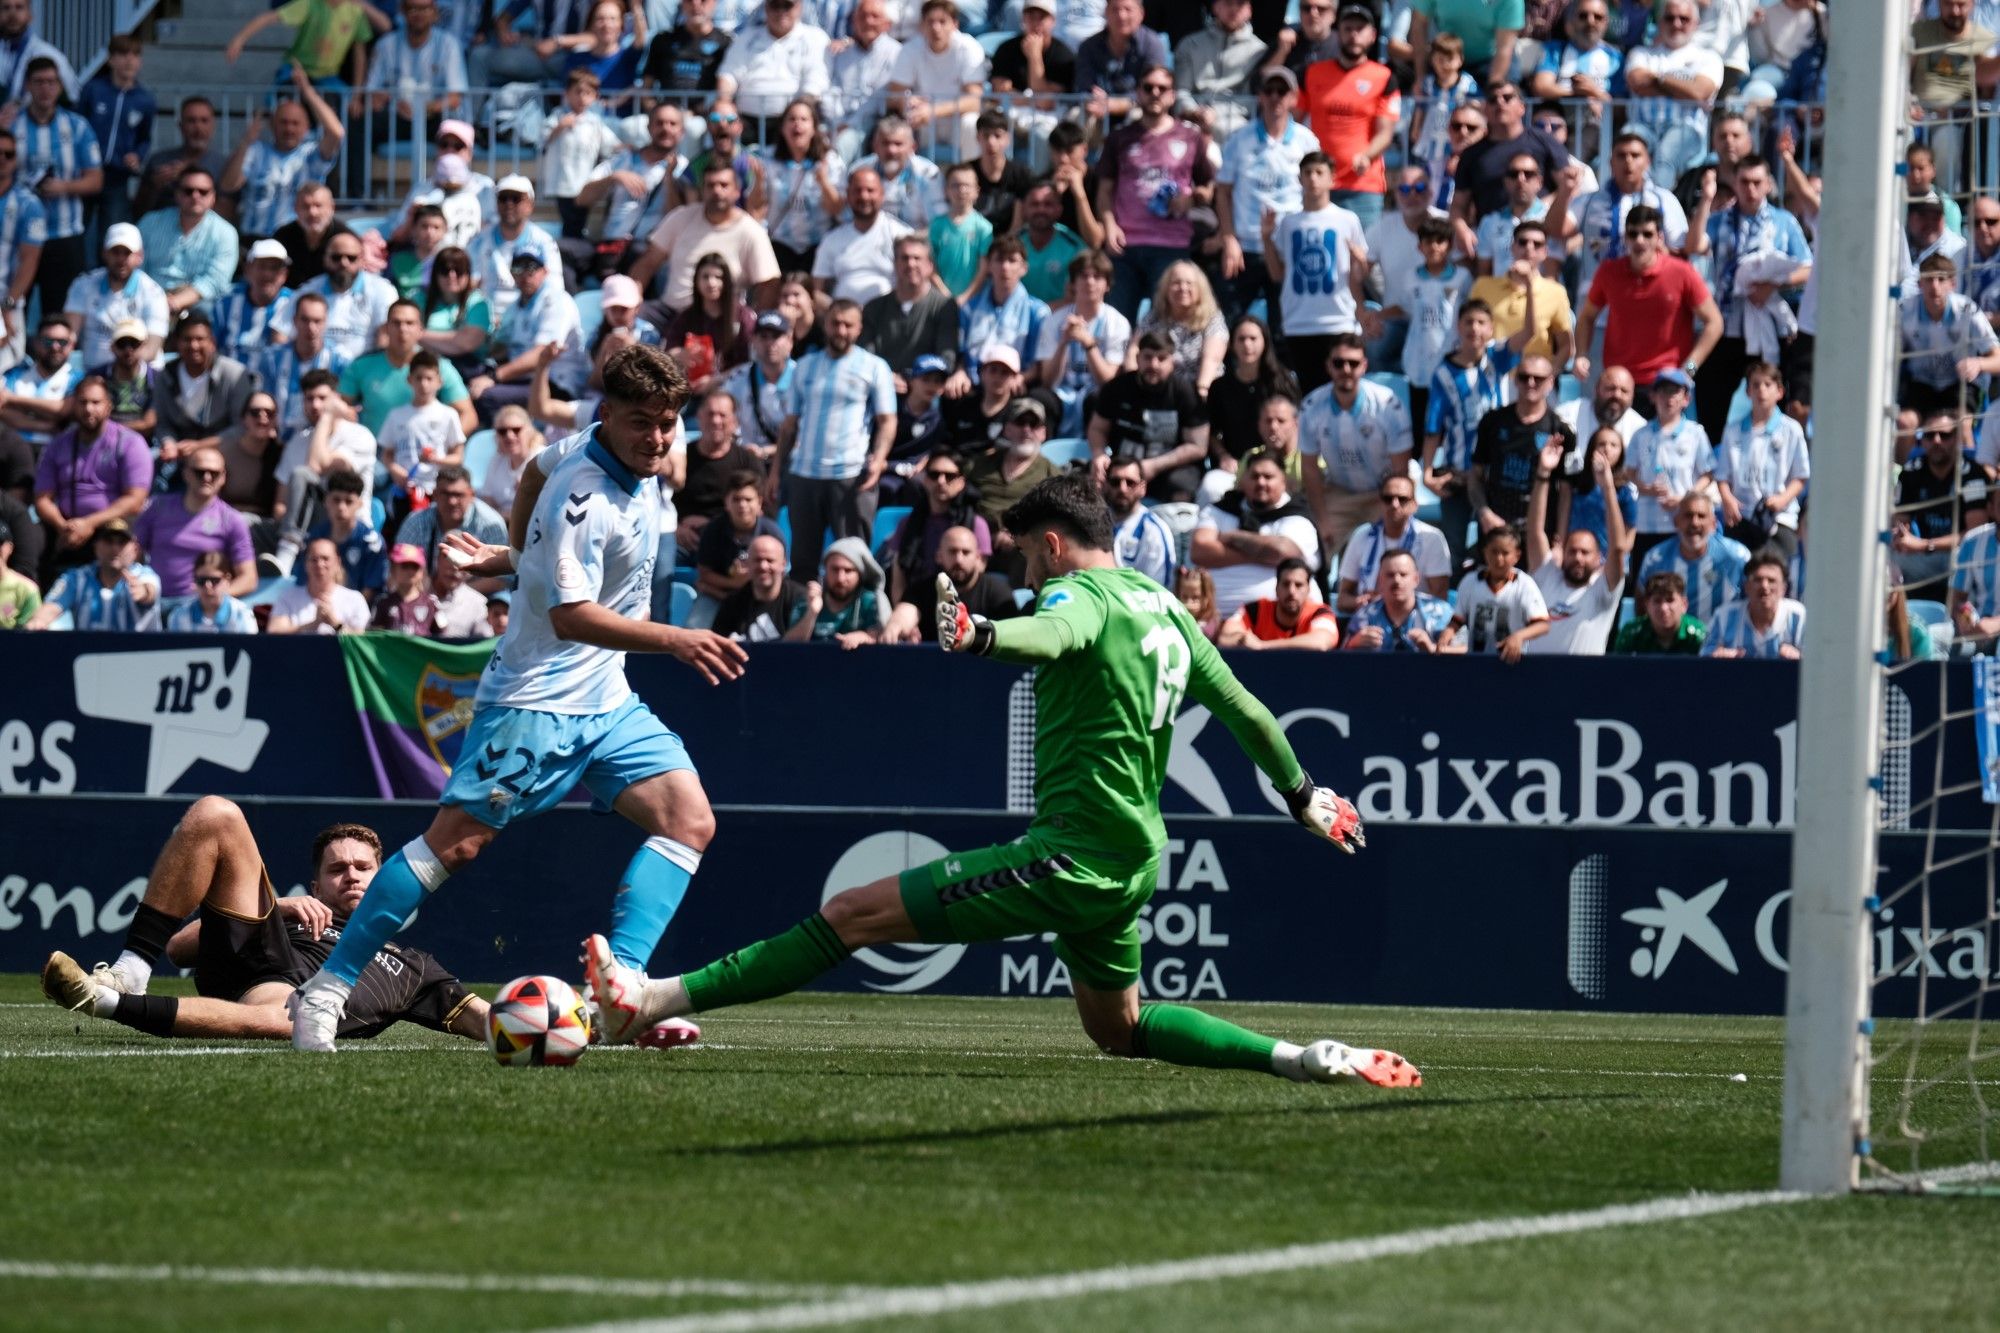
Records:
x=648, y=896
x=393, y=897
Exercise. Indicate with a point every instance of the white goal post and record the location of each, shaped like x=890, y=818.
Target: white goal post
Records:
x=1840, y=679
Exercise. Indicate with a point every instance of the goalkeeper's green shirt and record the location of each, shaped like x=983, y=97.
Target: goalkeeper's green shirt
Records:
x=1116, y=653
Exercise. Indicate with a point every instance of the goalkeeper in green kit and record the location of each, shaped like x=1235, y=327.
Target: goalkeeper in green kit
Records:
x=1115, y=653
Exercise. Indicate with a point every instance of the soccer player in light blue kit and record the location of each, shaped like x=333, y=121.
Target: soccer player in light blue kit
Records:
x=553, y=708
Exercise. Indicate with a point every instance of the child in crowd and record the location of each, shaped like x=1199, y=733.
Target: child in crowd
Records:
x=1445, y=85
x=576, y=143
x=959, y=236
x=1437, y=292
x=212, y=610
x=121, y=111
x=422, y=433
x=1469, y=383
x=1501, y=607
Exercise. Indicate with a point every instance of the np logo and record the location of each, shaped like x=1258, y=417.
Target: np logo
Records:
x=444, y=711
x=193, y=700
x=904, y=967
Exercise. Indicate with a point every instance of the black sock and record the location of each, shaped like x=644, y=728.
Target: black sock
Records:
x=151, y=929
x=148, y=1013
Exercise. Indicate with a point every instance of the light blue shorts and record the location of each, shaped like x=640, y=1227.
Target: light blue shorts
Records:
x=518, y=762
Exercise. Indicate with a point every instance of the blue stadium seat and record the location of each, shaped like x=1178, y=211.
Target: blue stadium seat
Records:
x=1400, y=383
x=1023, y=596
x=589, y=312
x=267, y=591
x=1627, y=610
x=1936, y=620
x=683, y=602
x=887, y=519
x=993, y=41
x=479, y=451
x=1067, y=450
x=378, y=513
x=1568, y=389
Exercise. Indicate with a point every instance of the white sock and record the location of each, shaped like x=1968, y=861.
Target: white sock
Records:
x=1285, y=1061
x=105, y=1003
x=666, y=998
x=136, y=971
x=325, y=983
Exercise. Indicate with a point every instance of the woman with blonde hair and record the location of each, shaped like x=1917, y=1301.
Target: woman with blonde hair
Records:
x=515, y=443
x=1184, y=309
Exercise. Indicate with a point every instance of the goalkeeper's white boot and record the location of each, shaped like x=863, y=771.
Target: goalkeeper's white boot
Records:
x=66, y=983
x=316, y=1009
x=1330, y=1062
x=619, y=992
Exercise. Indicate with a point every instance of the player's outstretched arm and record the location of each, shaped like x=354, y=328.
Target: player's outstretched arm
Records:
x=716, y=658
x=1053, y=630
x=1214, y=686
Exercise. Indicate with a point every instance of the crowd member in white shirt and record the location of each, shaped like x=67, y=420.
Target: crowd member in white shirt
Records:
x=1399, y=529
x=769, y=65
x=1353, y=434
x=1395, y=248
x=1500, y=609
x=1668, y=458
x=1259, y=172
x=1581, y=597
x=423, y=432
x=322, y=604
x=1082, y=344
x=1242, y=538
x=858, y=78
x=575, y=144
x=857, y=260
x=330, y=439
x=1610, y=404
x=1766, y=623
x=1762, y=468
x=936, y=83
x=1673, y=82
x=912, y=185
x=1319, y=258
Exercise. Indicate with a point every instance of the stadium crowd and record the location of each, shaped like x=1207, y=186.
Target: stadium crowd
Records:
x=1281, y=285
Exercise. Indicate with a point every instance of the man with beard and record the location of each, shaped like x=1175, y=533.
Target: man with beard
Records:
x=1243, y=537
x=1292, y=618
x=915, y=618
x=1582, y=599
x=1154, y=415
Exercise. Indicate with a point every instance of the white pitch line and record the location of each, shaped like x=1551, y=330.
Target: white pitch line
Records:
x=552, y=1284
x=949, y=1298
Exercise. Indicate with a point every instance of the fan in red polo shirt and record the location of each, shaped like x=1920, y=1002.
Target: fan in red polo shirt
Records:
x=1292, y=619
x=1653, y=302
x=1353, y=105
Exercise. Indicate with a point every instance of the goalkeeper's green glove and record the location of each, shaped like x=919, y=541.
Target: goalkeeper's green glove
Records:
x=958, y=630
x=1326, y=814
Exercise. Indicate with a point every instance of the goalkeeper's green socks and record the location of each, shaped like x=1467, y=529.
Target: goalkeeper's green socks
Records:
x=1183, y=1036
x=777, y=966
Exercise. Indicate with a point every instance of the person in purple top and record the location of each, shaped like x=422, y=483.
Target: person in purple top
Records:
x=177, y=528
x=92, y=473
x=1145, y=187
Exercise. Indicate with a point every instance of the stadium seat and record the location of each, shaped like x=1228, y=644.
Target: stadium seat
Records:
x=378, y=513
x=479, y=451
x=1568, y=389
x=887, y=519
x=683, y=602
x=1069, y=449
x=993, y=41
x=589, y=313
x=268, y=590
x=1023, y=596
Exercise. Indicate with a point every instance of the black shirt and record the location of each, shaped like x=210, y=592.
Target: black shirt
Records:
x=680, y=62
x=917, y=434
x=1508, y=451
x=990, y=597
x=997, y=197
x=308, y=261
x=928, y=328
x=1938, y=515
x=17, y=464
x=1482, y=169
x=1068, y=200
x=722, y=546
x=1011, y=63
x=1233, y=408
x=1148, y=420
x=744, y=615
x=707, y=481
x=966, y=424
x=398, y=984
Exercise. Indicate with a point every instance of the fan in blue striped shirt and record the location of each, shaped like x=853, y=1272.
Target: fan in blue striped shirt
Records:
x=57, y=145
x=1766, y=623
x=1710, y=564
x=840, y=419
x=1468, y=384
x=212, y=610
x=117, y=593
x=256, y=314
x=269, y=173
x=1975, y=577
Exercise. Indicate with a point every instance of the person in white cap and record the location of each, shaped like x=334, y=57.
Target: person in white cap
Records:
x=190, y=250
x=516, y=233
x=454, y=140
x=269, y=174
x=105, y=297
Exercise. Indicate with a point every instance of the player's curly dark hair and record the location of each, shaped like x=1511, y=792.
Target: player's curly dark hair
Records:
x=1067, y=502
x=333, y=833
x=641, y=374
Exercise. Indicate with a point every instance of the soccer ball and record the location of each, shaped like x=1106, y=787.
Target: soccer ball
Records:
x=538, y=1021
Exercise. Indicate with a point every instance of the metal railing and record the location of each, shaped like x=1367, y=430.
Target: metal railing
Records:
x=81, y=29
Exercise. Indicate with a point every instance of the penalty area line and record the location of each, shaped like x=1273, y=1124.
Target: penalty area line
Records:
x=913, y=1302
x=551, y=1284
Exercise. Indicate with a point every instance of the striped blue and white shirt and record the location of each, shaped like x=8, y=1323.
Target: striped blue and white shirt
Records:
x=271, y=182
x=622, y=211
x=232, y=617
x=1354, y=444
x=64, y=148
x=795, y=212
x=278, y=374
x=1602, y=223
x=353, y=316
x=1731, y=628
x=103, y=309
x=1976, y=569
x=1733, y=235
x=493, y=263
x=414, y=75
x=1758, y=461
x=23, y=221
x=837, y=401
x=243, y=329
x=1017, y=323
x=204, y=259
x=25, y=380
x=1431, y=615
x=91, y=605
x=1144, y=542
x=1679, y=455
x=1932, y=348
x=1460, y=396
x=1715, y=581
x=914, y=195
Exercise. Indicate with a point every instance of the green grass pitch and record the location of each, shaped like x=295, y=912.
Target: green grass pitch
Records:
x=890, y=1143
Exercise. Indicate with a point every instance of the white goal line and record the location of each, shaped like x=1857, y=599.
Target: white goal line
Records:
x=949, y=1298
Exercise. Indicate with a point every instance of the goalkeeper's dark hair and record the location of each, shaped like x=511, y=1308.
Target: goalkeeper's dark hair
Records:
x=1068, y=503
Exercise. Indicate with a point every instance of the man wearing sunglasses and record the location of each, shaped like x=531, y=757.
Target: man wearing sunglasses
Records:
x=1659, y=312
x=102, y=299
x=1354, y=106
x=190, y=251
x=1479, y=182
x=177, y=527
x=1507, y=453
x=1260, y=171
x=35, y=395
x=1146, y=181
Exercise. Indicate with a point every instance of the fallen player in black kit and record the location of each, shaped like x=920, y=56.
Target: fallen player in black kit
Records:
x=251, y=949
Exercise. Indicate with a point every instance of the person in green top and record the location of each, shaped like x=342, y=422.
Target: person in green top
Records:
x=378, y=382
x=327, y=30
x=19, y=597
x=959, y=236
x=1115, y=654
x=1665, y=629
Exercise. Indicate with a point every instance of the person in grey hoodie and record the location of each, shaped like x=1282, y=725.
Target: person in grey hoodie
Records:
x=846, y=604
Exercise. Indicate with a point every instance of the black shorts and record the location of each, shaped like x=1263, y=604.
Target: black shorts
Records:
x=236, y=952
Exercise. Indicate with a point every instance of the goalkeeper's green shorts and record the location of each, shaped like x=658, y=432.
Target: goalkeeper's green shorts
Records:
x=1031, y=887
